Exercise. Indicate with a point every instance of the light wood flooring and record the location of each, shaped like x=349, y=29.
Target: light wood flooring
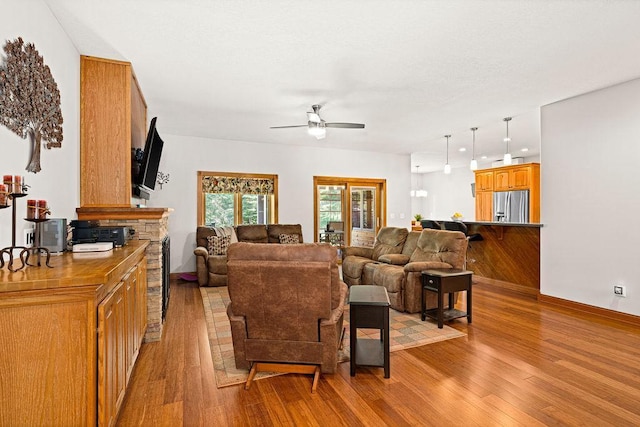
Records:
x=521, y=363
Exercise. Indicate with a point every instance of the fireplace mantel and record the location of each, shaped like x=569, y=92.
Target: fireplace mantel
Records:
x=109, y=212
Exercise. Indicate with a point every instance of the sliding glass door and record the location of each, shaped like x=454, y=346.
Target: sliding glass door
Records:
x=354, y=207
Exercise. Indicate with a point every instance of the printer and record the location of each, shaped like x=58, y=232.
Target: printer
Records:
x=91, y=232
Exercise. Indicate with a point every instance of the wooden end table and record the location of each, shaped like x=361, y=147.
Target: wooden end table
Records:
x=445, y=281
x=369, y=308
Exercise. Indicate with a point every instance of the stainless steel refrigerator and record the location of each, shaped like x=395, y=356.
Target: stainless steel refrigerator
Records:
x=511, y=206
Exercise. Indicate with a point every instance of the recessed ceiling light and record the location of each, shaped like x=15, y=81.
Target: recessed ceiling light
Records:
x=483, y=157
x=462, y=149
x=525, y=149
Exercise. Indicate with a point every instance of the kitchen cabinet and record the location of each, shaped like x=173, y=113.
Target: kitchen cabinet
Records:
x=113, y=121
x=484, y=180
x=64, y=337
x=484, y=205
x=507, y=178
x=513, y=178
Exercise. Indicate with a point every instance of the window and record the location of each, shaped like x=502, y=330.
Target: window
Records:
x=226, y=198
x=329, y=204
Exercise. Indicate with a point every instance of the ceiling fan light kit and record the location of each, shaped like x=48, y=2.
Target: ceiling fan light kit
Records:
x=318, y=127
x=318, y=130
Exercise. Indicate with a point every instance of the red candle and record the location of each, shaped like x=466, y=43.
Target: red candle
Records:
x=42, y=209
x=3, y=195
x=17, y=184
x=31, y=209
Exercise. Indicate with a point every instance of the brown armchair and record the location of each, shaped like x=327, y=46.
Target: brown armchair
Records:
x=286, y=308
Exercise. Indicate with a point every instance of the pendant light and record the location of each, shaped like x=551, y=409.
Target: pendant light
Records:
x=419, y=191
x=474, y=163
x=416, y=191
x=507, y=154
x=447, y=167
x=412, y=193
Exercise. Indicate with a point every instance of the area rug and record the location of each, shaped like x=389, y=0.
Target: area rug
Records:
x=405, y=331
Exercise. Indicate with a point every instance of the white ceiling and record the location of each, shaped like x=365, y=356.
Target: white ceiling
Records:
x=411, y=70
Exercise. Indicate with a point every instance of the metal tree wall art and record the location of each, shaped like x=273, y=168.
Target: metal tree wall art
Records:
x=30, y=99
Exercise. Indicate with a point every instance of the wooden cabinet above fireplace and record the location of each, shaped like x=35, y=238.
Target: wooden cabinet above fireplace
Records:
x=113, y=121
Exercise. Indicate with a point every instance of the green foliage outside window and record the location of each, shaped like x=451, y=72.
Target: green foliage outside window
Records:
x=330, y=206
x=219, y=209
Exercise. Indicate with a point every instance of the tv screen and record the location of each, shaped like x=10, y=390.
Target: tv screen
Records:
x=145, y=182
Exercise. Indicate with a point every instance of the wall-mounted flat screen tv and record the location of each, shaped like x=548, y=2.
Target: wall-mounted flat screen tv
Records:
x=145, y=182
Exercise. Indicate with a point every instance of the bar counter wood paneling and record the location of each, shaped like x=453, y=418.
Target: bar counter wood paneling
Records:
x=508, y=253
x=50, y=369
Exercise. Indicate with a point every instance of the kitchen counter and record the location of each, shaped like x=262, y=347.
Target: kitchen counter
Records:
x=504, y=224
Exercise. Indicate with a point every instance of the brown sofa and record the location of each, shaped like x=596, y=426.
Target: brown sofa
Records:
x=212, y=269
x=398, y=267
x=287, y=304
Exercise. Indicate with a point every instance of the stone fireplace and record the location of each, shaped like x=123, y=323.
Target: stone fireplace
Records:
x=148, y=224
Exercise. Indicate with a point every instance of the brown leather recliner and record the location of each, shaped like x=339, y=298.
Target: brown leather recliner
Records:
x=287, y=304
x=212, y=269
x=390, y=240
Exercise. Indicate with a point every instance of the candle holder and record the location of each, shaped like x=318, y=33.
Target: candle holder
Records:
x=36, y=249
x=25, y=252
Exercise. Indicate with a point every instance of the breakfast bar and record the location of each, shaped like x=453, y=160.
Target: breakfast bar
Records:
x=508, y=253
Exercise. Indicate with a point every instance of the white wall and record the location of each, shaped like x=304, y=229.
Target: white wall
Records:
x=447, y=194
x=295, y=166
x=590, y=186
x=58, y=181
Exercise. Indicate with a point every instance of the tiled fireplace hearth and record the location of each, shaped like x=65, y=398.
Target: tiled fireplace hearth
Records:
x=149, y=224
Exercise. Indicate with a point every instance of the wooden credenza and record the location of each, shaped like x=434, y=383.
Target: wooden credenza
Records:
x=70, y=336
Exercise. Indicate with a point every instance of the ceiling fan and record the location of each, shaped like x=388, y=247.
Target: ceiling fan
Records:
x=318, y=127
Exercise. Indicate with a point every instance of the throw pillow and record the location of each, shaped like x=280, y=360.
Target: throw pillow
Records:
x=287, y=239
x=218, y=244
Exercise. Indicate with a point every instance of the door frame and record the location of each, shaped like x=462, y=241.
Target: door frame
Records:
x=380, y=184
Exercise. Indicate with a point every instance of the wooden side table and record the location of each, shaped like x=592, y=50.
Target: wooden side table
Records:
x=445, y=281
x=369, y=308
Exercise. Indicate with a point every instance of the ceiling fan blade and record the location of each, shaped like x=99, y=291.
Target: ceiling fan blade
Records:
x=345, y=125
x=292, y=126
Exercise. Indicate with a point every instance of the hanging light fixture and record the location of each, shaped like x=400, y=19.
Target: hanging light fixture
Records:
x=412, y=193
x=474, y=163
x=447, y=167
x=507, y=154
x=415, y=190
x=419, y=191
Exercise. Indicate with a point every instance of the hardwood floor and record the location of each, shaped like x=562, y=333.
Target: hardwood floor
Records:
x=521, y=363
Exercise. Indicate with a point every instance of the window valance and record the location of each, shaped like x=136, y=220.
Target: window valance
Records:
x=233, y=184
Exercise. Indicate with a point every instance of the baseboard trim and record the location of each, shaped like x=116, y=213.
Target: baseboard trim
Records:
x=507, y=285
x=598, y=311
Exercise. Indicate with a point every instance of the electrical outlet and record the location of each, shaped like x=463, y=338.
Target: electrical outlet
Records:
x=620, y=290
x=29, y=237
